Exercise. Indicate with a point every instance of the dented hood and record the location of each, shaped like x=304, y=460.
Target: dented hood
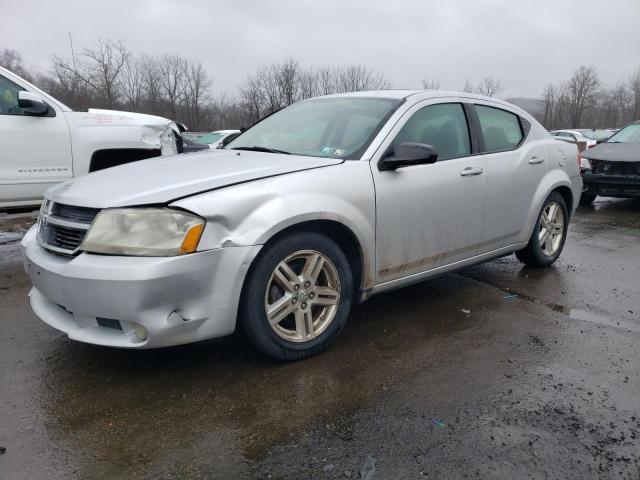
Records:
x=163, y=179
x=614, y=152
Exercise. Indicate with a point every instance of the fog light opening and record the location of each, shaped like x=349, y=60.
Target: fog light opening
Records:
x=141, y=332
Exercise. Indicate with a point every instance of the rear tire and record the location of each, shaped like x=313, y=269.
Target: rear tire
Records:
x=587, y=197
x=297, y=296
x=549, y=235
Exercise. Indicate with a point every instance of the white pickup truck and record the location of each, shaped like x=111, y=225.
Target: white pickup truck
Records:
x=44, y=142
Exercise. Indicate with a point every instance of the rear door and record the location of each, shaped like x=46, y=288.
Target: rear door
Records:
x=515, y=167
x=431, y=215
x=35, y=152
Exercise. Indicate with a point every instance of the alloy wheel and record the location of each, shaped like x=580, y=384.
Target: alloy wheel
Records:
x=302, y=296
x=551, y=229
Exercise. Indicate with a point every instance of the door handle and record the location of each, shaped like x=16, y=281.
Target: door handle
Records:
x=469, y=171
x=536, y=160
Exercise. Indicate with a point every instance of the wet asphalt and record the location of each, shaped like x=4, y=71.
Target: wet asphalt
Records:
x=496, y=371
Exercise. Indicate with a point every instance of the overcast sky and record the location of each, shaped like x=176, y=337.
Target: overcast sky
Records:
x=523, y=43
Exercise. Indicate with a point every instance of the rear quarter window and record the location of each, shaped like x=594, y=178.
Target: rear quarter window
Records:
x=501, y=129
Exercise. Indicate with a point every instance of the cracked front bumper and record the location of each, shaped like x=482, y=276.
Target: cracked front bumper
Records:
x=105, y=299
x=612, y=185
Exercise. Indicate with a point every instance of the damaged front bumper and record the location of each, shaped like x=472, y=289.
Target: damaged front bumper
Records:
x=137, y=302
x=608, y=185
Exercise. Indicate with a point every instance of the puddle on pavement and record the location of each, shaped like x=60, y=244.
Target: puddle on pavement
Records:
x=574, y=313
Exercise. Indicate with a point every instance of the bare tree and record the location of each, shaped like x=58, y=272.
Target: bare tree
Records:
x=431, y=84
x=172, y=70
x=288, y=75
x=72, y=87
x=583, y=88
x=250, y=100
x=326, y=82
x=490, y=87
x=108, y=58
x=468, y=88
x=308, y=84
x=197, y=84
x=151, y=84
x=12, y=61
x=133, y=83
x=108, y=75
x=98, y=70
x=549, y=98
x=356, y=78
x=634, y=89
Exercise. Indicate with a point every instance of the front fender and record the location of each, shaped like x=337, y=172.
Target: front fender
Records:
x=254, y=212
x=93, y=131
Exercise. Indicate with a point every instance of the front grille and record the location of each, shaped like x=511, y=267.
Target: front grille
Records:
x=615, y=168
x=73, y=213
x=62, y=228
x=63, y=237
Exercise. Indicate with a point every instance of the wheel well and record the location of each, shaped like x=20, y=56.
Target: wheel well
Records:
x=568, y=197
x=113, y=157
x=340, y=234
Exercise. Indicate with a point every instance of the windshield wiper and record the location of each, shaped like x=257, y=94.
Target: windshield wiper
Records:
x=261, y=149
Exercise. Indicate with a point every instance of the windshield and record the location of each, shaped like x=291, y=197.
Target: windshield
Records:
x=341, y=127
x=596, y=135
x=629, y=134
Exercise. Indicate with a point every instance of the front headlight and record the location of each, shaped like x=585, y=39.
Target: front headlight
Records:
x=154, y=232
x=585, y=163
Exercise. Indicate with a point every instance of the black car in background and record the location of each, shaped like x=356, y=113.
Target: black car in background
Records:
x=612, y=168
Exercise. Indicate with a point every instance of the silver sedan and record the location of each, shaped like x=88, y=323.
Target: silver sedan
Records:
x=313, y=209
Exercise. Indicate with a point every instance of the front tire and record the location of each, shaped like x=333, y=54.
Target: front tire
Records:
x=549, y=235
x=297, y=296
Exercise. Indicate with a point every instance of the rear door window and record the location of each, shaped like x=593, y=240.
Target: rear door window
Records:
x=501, y=129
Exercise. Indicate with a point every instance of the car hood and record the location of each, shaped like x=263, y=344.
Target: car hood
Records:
x=614, y=152
x=163, y=179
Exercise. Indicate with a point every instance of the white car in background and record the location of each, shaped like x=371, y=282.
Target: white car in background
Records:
x=574, y=136
x=210, y=139
x=43, y=142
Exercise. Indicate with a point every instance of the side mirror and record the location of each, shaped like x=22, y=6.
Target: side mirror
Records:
x=32, y=104
x=407, y=154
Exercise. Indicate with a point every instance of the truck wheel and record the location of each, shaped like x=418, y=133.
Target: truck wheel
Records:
x=297, y=296
x=548, y=237
x=587, y=197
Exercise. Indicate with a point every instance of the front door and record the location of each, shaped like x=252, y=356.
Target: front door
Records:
x=431, y=215
x=35, y=152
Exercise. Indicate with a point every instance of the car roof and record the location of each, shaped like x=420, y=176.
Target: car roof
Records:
x=566, y=130
x=417, y=95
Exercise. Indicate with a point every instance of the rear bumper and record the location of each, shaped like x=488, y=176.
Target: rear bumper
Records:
x=612, y=185
x=176, y=299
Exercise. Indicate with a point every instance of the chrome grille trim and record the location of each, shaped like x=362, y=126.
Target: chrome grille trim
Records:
x=66, y=223
x=62, y=228
x=73, y=213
